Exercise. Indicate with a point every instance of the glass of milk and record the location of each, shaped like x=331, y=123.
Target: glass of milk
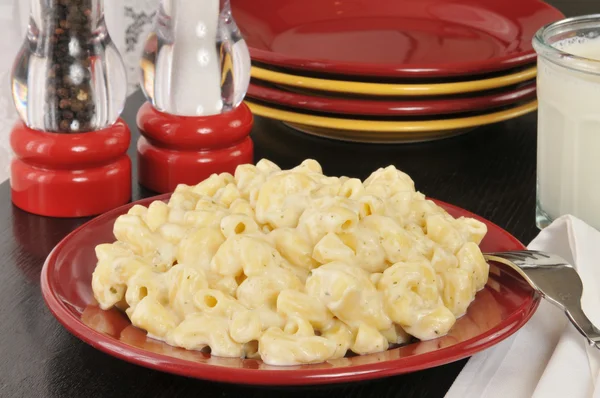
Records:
x=568, y=153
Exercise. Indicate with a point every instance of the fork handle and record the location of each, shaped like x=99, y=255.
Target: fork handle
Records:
x=524, y=262
x=583, y=324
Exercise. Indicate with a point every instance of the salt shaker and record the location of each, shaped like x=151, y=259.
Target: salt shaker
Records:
x=195, y=72
x=69, y=87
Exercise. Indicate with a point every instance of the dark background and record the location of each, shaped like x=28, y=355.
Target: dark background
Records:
x=490, y=171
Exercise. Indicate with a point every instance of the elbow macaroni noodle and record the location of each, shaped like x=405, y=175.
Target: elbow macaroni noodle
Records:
x=292, y=266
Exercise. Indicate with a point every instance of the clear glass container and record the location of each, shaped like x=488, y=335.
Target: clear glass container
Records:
x=195, y=61
x=68, y=77
x=568, y=87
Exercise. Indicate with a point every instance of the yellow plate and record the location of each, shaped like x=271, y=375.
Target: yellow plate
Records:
x=378, y=126
x=377, y=138
x=340, y=86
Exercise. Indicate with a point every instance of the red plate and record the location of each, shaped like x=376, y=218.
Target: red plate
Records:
x=393, y=38
x=498, y=311
x=354, y=105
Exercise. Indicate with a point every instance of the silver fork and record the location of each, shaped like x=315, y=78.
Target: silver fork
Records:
x=556, y=280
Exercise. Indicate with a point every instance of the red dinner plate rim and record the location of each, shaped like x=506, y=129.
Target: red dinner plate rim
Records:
x=326, y=66
x=354, y=69
x=284, y=376
x=389, y=107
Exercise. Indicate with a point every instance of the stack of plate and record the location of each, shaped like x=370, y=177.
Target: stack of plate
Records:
x=391, y=70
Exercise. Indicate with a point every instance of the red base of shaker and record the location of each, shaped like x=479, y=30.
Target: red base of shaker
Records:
x=70, y=175
x=177, y=150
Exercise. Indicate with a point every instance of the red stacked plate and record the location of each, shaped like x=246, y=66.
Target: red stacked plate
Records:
x=391, y=67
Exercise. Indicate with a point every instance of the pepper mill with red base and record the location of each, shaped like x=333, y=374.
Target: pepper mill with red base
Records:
x=195, y=73
x=69, y=87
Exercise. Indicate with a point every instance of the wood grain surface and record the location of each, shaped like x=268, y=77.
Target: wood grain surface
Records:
x=490, y=171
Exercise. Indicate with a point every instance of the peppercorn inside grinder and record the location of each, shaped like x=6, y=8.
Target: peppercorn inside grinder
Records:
x=195, y=73
x=69, y=86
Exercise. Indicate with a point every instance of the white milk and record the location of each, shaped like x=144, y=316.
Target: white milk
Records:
x=569, y=136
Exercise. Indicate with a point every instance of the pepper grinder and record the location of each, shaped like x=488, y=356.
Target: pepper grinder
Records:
x=195, y=72
x=69, y=86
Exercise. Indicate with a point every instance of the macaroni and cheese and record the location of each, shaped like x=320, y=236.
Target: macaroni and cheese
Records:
x=292, y=266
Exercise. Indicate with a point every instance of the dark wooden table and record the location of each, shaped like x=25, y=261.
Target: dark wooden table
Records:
x=490, y=171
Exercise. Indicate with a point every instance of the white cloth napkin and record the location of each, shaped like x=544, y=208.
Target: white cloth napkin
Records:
x=547, y=357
